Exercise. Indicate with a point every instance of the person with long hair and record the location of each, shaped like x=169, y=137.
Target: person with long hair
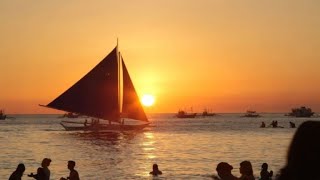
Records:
x=246, y=171
x=304, y=154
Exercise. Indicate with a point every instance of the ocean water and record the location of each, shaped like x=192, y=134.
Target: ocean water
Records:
x=183, y=148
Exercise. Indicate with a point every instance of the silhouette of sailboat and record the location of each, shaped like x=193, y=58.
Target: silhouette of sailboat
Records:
x=98, y=95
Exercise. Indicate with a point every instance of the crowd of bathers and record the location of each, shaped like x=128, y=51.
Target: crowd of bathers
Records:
x=274, y=124
x=303, y=160
x=43, y=172
x=224, y=172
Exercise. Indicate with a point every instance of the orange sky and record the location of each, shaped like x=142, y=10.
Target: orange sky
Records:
x=228, y=56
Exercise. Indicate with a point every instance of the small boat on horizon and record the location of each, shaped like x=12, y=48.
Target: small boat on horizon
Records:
x=301, y=112
x=251, y=113
x=206, y=113
x=70, y=115
x=104, y=93
x=184, y=114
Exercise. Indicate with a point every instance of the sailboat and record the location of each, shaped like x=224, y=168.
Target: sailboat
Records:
x=99, y=95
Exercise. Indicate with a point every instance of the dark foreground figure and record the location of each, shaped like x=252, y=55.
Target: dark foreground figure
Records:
x=18, y=173
x=304, y=154
x=224, y=171
x=74, y=175
x=246, y=171
x=155, y=170
x=43, y=172
x=265, y=174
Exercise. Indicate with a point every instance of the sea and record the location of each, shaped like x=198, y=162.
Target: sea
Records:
x=182, y=148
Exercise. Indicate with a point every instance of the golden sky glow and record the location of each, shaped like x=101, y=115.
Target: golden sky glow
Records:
x=227, y=56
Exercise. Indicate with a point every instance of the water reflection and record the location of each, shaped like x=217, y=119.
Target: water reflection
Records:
x=148, y=145
x=104, y=138
x=188, y=149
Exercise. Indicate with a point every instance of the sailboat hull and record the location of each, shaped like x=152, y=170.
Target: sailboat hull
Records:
x=105, y=127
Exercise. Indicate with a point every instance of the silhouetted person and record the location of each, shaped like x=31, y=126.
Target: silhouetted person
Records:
x=43, y=172
x=263, y=125
x=155, y=170
x=246, y=171
x=274, y=124
x=74, y=175
x=265, y=174
x=292, y=125
x=224, y=171
x=85, y=123
x=18, y=173
x=304, y=154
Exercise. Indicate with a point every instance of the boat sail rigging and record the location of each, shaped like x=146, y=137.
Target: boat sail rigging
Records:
x=98, y=93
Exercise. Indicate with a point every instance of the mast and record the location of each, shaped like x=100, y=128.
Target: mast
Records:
x=119, y=80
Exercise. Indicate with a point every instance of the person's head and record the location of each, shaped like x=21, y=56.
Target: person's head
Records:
x=246, y=168
x=155, y=167
x=46, y=162
x=71, y=165
x=20, y=168
x=264, y=166
x=303, y=155
x=224, y=169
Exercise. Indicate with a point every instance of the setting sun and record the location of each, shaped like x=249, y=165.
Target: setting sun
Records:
x=147, y=100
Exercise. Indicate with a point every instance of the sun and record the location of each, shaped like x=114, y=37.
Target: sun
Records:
x=147, y=100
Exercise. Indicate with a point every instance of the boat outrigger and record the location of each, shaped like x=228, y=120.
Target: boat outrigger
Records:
x=98, y=95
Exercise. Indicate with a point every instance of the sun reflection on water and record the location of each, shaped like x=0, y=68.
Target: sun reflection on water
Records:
x=148, y=146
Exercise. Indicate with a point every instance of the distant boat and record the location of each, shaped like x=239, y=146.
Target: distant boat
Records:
x=301, y=112
x=183, y=114
x=251, y=114
x=206, y=113
x=2, y=115
x=70, y=115
x=98, y=95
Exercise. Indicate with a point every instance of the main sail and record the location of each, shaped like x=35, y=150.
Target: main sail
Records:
x=96, y=94
x=131, y=106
